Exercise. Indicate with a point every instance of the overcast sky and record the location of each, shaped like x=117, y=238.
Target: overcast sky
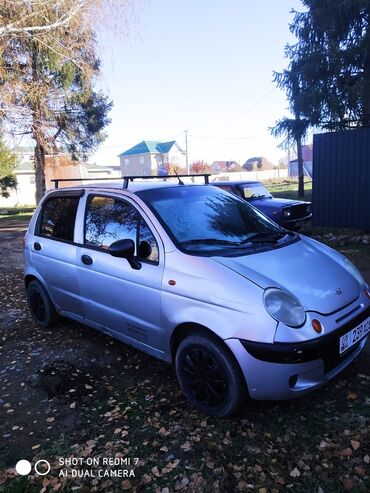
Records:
x=201, y=65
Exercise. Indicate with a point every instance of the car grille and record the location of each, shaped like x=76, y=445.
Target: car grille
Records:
x=300, y=210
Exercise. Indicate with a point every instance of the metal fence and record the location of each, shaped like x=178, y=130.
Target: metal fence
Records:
x=341, y=179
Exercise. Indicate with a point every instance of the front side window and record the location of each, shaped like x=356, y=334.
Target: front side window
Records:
x=58, y=217
x=109, y=219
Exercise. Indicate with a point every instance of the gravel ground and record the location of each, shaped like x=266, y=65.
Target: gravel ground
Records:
x=72, y=393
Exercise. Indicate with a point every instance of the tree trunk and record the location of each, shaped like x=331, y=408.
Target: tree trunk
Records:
x=39, y=171
x=300, y=169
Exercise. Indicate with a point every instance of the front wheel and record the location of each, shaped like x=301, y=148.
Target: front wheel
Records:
x=209, y=376
x=40, y=305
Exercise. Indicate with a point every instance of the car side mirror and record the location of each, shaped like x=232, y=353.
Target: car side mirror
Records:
x=125, y=249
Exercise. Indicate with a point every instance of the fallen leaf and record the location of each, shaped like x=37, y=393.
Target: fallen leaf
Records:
x=126, y=485
x=355, y=444
x=347, y=452
x=347, y=483
x=352, y=396
x=242, y=486
x=295, y=473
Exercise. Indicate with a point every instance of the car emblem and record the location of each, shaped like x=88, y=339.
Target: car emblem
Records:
x=338, y=291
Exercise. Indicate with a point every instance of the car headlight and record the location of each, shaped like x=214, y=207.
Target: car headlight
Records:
x=283, y=307
x=287, y=212
x=352, y=269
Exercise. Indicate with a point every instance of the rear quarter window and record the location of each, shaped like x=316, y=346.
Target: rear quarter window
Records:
x=58, y=217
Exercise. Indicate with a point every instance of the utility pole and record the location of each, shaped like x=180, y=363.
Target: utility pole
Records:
x=186, y=152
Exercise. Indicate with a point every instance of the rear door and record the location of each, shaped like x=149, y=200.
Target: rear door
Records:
x=115, y=296
x=53, y=251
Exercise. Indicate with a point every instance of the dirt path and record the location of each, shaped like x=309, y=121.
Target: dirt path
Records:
x=71, y=392
x=11, y=245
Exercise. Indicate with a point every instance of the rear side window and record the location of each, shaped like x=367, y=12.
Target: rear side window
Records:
x=58, y=217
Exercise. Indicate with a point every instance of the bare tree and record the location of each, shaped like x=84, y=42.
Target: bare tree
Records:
x=48, y=68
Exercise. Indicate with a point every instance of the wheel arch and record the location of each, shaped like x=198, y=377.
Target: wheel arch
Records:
x=186, y=329
x=29, y=278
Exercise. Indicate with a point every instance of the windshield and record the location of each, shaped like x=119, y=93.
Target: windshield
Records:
x=204, y=218
x=255, y=191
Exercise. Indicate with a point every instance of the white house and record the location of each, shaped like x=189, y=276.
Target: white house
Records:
x=151, y=158
x=59, y=166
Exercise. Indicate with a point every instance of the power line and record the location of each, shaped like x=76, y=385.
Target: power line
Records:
x=227, y=138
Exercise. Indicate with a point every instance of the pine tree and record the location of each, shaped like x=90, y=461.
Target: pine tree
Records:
x=328, y=78
x=47, y=89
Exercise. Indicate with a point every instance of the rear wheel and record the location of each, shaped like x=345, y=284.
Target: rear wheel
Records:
x=209, y=376
x=40, y=305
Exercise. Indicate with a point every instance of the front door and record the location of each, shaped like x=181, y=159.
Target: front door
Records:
x=118, y=298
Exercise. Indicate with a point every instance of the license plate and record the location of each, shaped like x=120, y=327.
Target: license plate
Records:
x=354, y=335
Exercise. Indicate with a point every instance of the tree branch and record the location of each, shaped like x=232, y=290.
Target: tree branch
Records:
x=61, y=22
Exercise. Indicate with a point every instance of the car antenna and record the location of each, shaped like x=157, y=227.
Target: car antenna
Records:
x=180, y=181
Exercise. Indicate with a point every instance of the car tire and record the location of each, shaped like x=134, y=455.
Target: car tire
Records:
x=40, y=305
x=209, y=375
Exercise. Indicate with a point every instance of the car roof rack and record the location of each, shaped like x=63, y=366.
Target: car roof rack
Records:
x=127, y=179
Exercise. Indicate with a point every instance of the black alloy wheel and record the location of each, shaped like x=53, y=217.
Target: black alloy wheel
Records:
x=40, y=305
x=204, y=377
x=209, y=375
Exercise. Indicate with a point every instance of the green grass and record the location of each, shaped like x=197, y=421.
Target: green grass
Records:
x=17, y=214
x=288, y=189
x=25, y=217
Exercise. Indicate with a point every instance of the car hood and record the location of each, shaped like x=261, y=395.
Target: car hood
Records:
x=311, y=272
x=274, y=203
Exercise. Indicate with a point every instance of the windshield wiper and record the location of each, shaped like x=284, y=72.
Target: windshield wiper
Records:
x=264, y=237
x=261, y=196
x=209, y=241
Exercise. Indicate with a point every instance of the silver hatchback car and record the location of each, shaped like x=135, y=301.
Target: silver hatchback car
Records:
x=194, y=275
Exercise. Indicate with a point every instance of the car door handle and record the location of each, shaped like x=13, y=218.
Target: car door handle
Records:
x=86, y=259
x=37, y=246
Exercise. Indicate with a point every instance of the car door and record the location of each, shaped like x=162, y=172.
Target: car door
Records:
x=53, y=251
x=116, y=297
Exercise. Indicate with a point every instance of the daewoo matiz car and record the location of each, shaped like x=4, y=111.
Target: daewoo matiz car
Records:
x=196, y=276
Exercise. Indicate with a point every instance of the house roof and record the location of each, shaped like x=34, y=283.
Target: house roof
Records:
x=147, y=146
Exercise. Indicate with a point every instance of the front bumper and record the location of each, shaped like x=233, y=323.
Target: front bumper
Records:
x=293, y=223
x=288, y=370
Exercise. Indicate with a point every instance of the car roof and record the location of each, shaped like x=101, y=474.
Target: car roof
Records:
x=133, y=187
x=235, y=182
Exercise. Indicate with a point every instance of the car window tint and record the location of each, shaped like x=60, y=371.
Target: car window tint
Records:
x=206, y=213
x=229, y=188
x=109, y=219
x=146, y=235
x=255, y=190
x=58, y=218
